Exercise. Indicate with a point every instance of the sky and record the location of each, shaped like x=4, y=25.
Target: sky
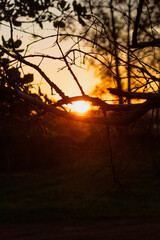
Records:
x=53, y=68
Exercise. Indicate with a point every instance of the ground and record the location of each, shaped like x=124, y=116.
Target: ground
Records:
x=113, y=229
x=78, y=199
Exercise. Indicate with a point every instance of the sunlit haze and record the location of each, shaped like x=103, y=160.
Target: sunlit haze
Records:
x=79, y=107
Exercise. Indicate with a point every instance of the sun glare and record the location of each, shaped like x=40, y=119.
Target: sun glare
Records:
x=80, y=107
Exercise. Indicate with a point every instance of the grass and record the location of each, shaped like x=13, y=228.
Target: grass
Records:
x=82, y=189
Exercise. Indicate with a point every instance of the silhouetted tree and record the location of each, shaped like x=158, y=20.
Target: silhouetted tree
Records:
x=115, y=54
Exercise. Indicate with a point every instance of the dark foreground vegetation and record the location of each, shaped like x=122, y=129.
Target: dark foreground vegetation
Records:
x=61, y=178
x=56, y=172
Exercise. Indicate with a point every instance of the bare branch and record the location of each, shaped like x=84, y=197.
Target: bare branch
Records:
x=136, y=24
x=34, y=66
x=141, y=45
x=136, y=95
x=68, y=66
x=97, y=102
x=115, y=119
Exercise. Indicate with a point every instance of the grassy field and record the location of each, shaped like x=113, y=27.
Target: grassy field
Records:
x=83, y=188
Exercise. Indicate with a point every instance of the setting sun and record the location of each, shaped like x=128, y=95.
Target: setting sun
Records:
x=80, y=107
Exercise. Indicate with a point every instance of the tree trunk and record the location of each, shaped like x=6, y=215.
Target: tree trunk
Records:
x=118, y=78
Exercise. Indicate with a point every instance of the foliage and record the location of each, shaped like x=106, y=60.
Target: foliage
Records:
x=27, y=11
x=117, y=35
x=122, y=40
x=122, y=66
x=123, y=43
x=11, y=106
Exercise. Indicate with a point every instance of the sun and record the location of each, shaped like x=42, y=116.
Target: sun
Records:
x=80, y=107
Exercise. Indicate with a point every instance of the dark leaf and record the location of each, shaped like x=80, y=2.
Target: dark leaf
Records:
x=78, y=8
x=59, y=24
x=16, y=23
x=40, y=24
x=4, y=42
x=31, y=14
x=23, y=14
x=28, y=78
x=13, y=73
x=17, y=43
x=10, y=43
x=63, y=4
x=74, y=4
x=1, y=54
x=81, y=21
x=10, y=5
x=4, y=62
x=67, y=8
x=20, y=50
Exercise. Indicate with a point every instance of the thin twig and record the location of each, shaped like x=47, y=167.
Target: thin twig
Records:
x=68, y=66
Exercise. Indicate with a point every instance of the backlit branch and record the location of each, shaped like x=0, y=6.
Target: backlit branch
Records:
x=135, y=95
x=121, y=48
x=123, y=119
x=37, y=68
x=136, y=24
x=68, y=66
x=97, y=102
x=140, y=45
x=110, y=50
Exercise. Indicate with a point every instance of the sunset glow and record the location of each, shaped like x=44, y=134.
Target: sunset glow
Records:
x=80, y=107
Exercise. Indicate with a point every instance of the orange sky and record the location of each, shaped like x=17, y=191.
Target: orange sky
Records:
x=62, y=78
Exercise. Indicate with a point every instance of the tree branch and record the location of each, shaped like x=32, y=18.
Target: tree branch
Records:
x=136, y=24
x=97, y=102
x=34, y=66
x=115, y=119
x=140, y=45
x=136, y=95
x=68, y=66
